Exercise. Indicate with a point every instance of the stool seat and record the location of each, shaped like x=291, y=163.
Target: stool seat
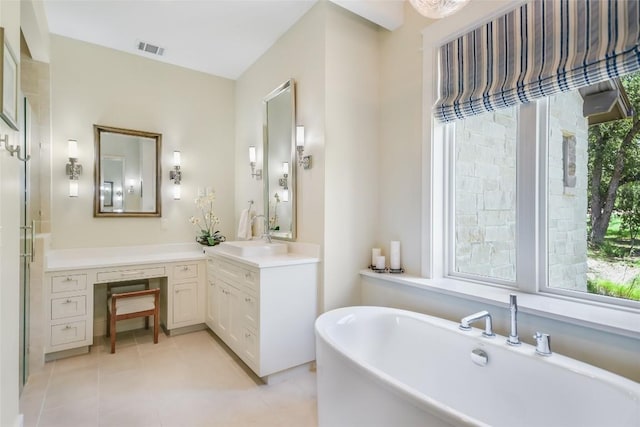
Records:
x=132, y=304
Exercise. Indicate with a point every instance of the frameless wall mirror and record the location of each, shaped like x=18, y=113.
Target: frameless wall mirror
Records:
x=280, y=161
x=127, y=173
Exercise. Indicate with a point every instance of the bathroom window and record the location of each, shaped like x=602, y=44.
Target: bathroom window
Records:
x=484, y=198
x=520, y=200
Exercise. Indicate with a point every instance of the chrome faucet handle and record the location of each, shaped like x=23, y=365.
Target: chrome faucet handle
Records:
x=543, y=344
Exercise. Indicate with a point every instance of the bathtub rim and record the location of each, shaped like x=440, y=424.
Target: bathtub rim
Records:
x=422, y=401
x=625, y=385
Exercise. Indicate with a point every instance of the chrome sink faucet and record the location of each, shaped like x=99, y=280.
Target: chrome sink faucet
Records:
x=265, y=232
x=465, y=323
x=513, y=310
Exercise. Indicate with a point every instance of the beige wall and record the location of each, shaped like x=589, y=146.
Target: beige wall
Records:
x=400, y=146
x=351, y=158
x=333, y=57
x=193, y=111
x=299, y=54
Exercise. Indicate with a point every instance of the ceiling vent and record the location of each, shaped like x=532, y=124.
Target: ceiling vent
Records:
x=149, y=48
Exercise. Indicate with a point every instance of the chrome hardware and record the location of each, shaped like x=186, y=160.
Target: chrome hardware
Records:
x=32, y=254
x=513, y=310
x=465, y=323
x=479, y=357
x=543, y=344
x=14, y=149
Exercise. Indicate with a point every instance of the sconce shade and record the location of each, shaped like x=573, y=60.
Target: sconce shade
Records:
x=176, y=158
x=73, y=188
x=72, y=148
x=252, y=154
x=177, y=192
x=285, y=168
x=300, y=136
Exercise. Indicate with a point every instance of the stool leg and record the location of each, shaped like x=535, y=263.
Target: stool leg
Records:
x=113, y=333
x=155, y=328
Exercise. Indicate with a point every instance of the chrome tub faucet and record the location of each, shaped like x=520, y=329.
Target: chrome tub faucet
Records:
x=465, y=323
x=513, y=310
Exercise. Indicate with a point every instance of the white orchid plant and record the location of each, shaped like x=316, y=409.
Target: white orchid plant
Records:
x=207, y=221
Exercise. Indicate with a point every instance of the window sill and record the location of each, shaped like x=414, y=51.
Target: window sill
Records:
x=616, y=320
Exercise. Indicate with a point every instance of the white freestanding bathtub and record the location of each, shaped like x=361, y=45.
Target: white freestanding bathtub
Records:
x=387, y=367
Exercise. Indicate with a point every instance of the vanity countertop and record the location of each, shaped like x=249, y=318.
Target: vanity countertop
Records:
x=267, y=261
x=76, y=259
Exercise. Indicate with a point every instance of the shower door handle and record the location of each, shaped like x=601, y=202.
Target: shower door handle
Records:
x=32, y=254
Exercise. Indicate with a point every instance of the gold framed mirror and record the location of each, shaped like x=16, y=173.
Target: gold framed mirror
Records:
x=127, y=173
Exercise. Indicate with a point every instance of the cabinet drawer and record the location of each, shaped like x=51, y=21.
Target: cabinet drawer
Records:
x=185, y=271
x=68, y=307
x=130, y=274
x=66, y=333
x=68, y=283
x=237, y=276
x=250, y=280
x=251, y=309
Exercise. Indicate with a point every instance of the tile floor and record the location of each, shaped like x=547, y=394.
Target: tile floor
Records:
x=187, y=380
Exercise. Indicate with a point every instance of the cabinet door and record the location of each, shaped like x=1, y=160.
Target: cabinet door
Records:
x=211, y=315
x=228, y=323
x=185, y=302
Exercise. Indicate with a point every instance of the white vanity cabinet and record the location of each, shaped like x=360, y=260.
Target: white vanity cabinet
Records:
x=265, y=314
x=69, y=295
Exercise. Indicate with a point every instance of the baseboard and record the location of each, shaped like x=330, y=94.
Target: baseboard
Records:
x=184, y=329
x=66, y=353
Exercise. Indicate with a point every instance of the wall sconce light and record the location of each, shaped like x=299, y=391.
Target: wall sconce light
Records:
x=303, y=161
x=73, y=168
x=175, y=175
x=284, y=181
x=255, y=173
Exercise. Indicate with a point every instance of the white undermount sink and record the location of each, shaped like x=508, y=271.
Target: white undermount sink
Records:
x=253, y=248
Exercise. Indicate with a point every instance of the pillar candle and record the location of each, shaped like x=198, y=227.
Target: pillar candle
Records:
x=375, y=253
x=394, y=254
x=380, y=263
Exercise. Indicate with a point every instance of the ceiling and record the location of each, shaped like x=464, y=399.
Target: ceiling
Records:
x=219, y=37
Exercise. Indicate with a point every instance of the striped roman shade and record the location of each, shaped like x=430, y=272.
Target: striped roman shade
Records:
x=541, y=48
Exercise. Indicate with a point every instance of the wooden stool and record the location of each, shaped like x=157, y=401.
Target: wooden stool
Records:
x=130, y=304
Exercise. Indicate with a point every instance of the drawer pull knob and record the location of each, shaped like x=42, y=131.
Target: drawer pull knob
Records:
x=247, y=335
x=185, y=268
x=247, y=299
x=68, y=279
x=68, y=301
x=67, y=327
